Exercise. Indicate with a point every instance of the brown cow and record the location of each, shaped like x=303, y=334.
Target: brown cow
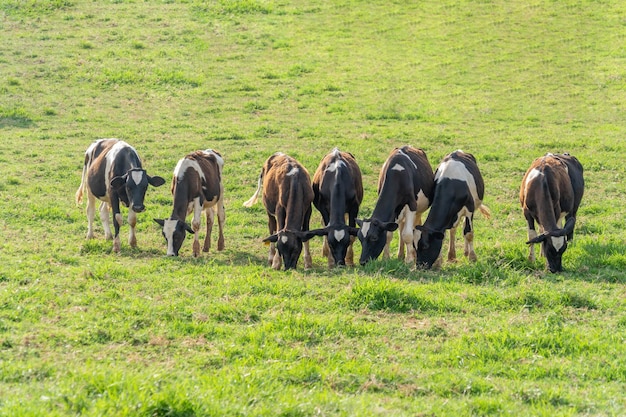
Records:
x=287, y=196
x=551, y=190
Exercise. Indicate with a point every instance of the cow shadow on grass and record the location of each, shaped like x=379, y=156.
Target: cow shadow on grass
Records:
x=595, y=260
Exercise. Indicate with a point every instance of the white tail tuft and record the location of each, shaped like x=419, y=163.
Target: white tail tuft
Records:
x=256, y=195
x=485, y=210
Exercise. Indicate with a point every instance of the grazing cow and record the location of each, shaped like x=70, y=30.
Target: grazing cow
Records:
x=551, y=190
x=287, y=196
x=113, y=173
x=405, y=190
x=459, y=191
x=196, y=187
x=338, y=190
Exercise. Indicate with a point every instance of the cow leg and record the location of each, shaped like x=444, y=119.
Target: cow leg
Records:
x=451, y=245
x=532, y=233
x=106, y=221
x=117, y=221
x=406, y=237
x=272, y=253
x=308, y=261
x=468, y=234
x=210, y=216
x=350, y=253
x=327, y=254
x=195, y=226
x=91, y=212
x=221, y=219
x=386, y=254
x=132, y=221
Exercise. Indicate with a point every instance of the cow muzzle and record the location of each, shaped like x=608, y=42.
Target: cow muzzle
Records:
x=139, y=209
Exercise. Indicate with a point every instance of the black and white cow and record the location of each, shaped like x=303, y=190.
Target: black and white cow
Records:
x=405, y=190
x=287, y=195
x=551, y=190
x=338, y=190
x=459, y=191
x=112, y=173
x=196, y=187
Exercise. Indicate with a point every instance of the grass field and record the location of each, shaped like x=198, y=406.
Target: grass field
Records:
x=87, y=332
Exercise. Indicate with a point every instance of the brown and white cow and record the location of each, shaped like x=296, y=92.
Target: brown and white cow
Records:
x=459, y=192
x=338, y=190
x=112, y=173
x=551, y=190
x=196, y=187
x=287, y=195
x=405, y=191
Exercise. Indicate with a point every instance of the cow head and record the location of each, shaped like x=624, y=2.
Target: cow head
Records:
x=289, y=245
x=133, y=186
x=174, y=232
x=373, y=236
x=338, y=238
x=554, y=243
x=427, y=244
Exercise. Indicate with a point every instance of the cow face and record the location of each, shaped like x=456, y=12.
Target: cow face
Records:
x=289, y=245
x=174, y=232
x=339, y=238
x=373, y=237
x=132, y=187
x=427, y=244
x=552, y=248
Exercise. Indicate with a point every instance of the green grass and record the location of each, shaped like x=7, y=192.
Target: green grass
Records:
x=86, y=332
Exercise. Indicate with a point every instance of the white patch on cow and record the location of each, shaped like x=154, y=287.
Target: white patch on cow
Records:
x=293, y=171
x=137, y=176
x=284, y=239
x=422, y=202
x=417, y=235
x=339, y=234
x=532, y=175
x=365, y=228
x=398, y=167
x=118, y=218
x=219, y=159
x=456, y=170
x=557, y=242
x=407, y=157
x=169, y=226
x=185, y=164
x=112, y=155
x=335, y=165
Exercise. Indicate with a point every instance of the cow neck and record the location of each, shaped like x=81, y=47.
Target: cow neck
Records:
x=385, y=209
x=294, y=213
x=338, y=202
x=545, y=207
x=181, y=200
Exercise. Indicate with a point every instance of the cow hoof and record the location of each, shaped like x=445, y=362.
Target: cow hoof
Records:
x=220, y=244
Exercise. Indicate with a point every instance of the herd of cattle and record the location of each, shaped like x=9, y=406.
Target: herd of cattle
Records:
x=551, y=190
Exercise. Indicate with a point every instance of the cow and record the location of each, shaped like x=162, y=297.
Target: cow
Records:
x=551, y=190
x=287, y=196
x=405, y=190
x=196, y=187
x=338, y=191
x=459, y=192
x=112, y=173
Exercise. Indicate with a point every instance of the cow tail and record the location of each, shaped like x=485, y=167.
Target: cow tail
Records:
x=485, y=210
x=83, y=181
x=257, y=193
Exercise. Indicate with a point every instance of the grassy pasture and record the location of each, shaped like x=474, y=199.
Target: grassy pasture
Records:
x=87, y=332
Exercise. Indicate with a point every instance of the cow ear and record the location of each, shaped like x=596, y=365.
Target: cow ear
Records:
x=359, y=222
x=421, y=228
x=353, y=231
x=156, y=181
x=160, y=222
x=569, y=226
x=273, y=238
x=390, y=226
x=309, y=234
x=118, y=182
x=537, y=239
x=188, y=228
x=438, y=235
